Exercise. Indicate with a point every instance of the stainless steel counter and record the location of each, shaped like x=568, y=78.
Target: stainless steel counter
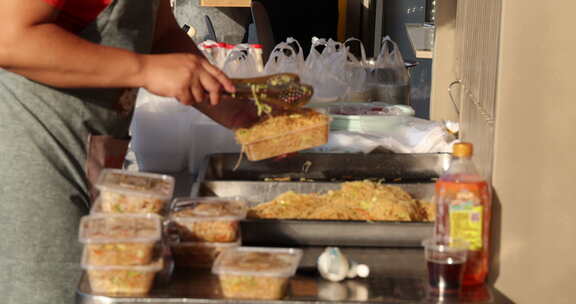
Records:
x=398, y=276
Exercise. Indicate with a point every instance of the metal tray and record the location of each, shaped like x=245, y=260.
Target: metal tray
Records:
x=396, y=276
x=327, y=167
x=316, y=232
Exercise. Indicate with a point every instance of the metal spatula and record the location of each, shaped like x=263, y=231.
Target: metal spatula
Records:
x=280, y=91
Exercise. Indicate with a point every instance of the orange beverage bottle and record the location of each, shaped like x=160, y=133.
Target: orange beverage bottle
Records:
x=463, y=202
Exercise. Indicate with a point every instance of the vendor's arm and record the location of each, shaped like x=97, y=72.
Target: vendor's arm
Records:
x=169, y=38
x=32, y=45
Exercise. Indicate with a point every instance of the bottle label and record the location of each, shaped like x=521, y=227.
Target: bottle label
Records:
x=464, y=211
x=466, y=223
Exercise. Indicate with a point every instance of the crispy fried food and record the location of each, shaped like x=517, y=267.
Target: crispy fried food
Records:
x=362, y=200
x=429, y=210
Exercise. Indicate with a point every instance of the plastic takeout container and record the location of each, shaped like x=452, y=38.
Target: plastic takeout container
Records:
x=110, y=228
x=288, y=142
x=124, y=191
x=256, y=272
x=96, y=209
x=366, y=117
x=363, y=110
x=208, y=219
x=199, y=254
x=133, y=279
x=123, y=239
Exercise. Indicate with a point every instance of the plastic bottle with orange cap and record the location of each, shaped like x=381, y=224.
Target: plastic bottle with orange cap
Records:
x=463, y=201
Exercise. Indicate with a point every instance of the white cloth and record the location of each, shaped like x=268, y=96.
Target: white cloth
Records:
x=170, y=137
x=409, y=135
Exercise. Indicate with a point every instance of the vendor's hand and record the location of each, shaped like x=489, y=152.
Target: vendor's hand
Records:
x=187, y=77
x=236, y=113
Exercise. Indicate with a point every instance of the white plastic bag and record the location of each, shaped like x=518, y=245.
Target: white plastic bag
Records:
x=242, y=62
x=207, y=137
x=390, y=64
x=326, y=69
x=160, y=130
x=170, y=137
x=388, y=75
x=357, y=75
x=215, y=52
x=285, y=58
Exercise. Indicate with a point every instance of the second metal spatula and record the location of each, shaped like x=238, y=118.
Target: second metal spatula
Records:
x=280, y=91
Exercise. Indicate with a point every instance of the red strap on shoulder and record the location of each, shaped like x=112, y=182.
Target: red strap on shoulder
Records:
x=75, y=14
x=56, y=3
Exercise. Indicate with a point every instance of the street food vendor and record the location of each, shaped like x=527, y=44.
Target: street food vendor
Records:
x=68, y=71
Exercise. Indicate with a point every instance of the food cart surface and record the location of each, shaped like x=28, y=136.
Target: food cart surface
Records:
x=397, y=276
x=397, y=273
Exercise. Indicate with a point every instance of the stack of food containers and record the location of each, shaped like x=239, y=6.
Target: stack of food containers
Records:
x=123, y=249
x=121, y=252
x=124, y=245
x=205, y=227
x=209, y=236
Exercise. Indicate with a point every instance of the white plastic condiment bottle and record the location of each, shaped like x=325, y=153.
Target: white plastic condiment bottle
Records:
x=335, y=266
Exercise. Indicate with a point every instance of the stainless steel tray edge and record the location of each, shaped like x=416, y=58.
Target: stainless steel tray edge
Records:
x=327, y=167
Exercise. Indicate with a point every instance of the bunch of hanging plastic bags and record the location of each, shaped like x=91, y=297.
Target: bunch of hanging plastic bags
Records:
x=330, y=67
x=237, y=61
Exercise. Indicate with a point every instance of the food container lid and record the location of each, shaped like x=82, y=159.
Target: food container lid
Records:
x=97, y=208
x=155, y=266
x=356, y=110
x=208, y=209
x=367, y=117
x=116, y=228
x=136, y=183
x=258, y=261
